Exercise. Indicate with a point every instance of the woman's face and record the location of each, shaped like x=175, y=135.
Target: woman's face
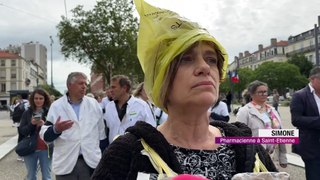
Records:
x=197, y=78
x=260, y=95
x=38, y=100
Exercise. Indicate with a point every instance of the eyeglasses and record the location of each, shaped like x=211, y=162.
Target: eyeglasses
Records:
x=262, y=93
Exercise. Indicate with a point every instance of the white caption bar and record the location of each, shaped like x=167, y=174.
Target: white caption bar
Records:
x=278, y=133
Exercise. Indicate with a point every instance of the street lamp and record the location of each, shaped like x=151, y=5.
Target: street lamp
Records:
x=51, y=61
x=110, y=67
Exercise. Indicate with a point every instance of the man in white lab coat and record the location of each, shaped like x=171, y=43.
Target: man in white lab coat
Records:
x=125, y=110
x=75, y=126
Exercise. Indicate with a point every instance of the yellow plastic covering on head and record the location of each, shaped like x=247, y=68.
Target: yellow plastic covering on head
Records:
x=163, y=35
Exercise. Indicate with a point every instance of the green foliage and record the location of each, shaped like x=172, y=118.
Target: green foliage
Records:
x=280, y=75
x=104, y=37
x=303, y=64
x=225, y=86
x=50, y=90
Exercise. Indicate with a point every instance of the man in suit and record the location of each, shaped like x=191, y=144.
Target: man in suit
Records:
x=305, y=115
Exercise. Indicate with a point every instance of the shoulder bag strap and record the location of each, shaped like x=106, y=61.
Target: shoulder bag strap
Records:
x=156, y=161
x=258, y=165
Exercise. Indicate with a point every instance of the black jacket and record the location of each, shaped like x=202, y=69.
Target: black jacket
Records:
x=123, y=158
x=26, y=128
x=305, y=116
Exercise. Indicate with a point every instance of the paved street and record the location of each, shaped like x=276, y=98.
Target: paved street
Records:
x=5, y=132
x=11, y=169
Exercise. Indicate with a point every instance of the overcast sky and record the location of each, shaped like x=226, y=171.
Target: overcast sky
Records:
x=238, y=24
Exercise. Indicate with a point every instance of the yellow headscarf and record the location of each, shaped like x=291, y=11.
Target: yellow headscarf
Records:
x=163, y=35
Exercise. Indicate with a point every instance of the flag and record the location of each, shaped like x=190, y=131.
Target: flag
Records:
x=235, y=77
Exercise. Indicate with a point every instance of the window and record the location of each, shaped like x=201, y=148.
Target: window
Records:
x=3, y=62
x=13, y=74
x=2, y=74
x=13, y=62
x=3, y=87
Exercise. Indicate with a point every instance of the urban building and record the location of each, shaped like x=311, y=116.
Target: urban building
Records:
x=36, y=53
x=22, y=68
x=304, y=43
x=97, y=83
x=14, y=75
x=275, y=52
x=307, y=43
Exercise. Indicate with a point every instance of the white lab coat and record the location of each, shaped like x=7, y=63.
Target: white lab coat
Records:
x=221, y=109
x=137, y=110
x=85, y=133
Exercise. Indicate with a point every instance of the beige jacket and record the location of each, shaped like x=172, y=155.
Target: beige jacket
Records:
x=249, y=115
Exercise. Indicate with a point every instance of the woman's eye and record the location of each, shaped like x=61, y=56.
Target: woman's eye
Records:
x=211, y=60
x=186, y=58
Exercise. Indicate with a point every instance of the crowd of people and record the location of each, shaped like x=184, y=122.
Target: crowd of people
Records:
x=167, y=125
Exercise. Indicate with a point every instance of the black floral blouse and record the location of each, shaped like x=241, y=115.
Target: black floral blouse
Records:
x=213, y=164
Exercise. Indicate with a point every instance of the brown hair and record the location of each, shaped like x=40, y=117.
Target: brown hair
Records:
x=253, y=86
x=42, y=92
x=123, y=81
x=138, y=90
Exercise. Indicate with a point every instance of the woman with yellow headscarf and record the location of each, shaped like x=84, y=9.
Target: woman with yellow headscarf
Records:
x=183, y=66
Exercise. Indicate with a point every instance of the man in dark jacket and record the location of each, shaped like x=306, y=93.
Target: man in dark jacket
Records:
x=305, y=111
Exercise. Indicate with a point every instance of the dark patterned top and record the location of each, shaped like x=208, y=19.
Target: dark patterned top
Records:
x=213, y=164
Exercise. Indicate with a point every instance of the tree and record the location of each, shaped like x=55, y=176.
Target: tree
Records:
x=50, y=90
x=104, y=37
x=302, y=62
x=280, y=75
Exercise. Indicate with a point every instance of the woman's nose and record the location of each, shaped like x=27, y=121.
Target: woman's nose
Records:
x=202, y=67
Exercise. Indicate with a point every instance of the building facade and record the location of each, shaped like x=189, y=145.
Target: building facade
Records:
x=304, y=43
x=37, y=54
x=97, y=83
x=14, y=75
x=22, y=69
x=275, y=52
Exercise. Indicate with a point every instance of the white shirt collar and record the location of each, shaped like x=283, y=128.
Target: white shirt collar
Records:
x=311, y=88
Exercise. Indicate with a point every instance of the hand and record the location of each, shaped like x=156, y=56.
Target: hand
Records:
x=37, y=122
x=40, y=123
x=61, y=126
x=283, y=165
